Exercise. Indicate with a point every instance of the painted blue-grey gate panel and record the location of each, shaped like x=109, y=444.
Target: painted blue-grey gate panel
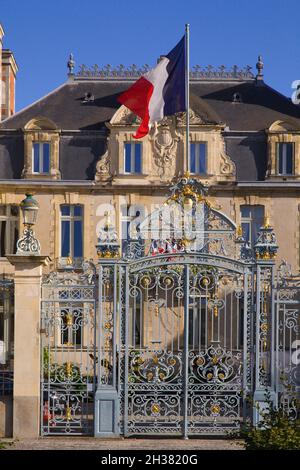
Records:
x=106, y=413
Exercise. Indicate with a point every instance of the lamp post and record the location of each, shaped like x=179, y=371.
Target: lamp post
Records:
x=28, y=244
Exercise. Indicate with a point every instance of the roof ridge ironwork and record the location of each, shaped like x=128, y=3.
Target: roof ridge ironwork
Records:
x=133, y=72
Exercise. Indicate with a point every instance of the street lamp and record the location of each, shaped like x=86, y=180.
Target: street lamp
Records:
x=28, y=244
x=29, y=208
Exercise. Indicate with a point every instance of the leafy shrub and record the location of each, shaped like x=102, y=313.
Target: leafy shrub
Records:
x=277, y=429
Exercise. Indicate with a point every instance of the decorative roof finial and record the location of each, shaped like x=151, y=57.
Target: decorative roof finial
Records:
x=266, y=246
x=161, y=57
x=71, y=64
x=259, y=67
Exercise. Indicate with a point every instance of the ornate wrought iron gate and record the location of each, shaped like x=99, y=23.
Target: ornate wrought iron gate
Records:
x=68, y=351
x=287, y=351
x=183, y=349
x=176, y=323
x=185, y=330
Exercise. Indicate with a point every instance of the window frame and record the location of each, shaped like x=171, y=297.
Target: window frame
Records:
x=249, y=220
x=197, y=158
x=71, y=219
x=9, y=219
x=133, y=145
x=128, y=215
x=41, y=144
x=7, y=324
x=284, y=158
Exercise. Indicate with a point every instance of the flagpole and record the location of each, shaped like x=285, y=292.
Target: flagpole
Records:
x=186, y=277
x=187, y=93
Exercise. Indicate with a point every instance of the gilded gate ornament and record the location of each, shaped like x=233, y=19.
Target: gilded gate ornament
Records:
x=266, y=245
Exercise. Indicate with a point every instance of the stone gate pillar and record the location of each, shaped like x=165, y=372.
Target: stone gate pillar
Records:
x=264, y=322
x=26, y=392
x=107, y=420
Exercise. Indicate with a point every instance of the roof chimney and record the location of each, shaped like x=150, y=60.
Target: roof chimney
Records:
x=8, y=71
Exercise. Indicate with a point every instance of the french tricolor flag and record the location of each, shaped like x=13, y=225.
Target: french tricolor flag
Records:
x=160, y=92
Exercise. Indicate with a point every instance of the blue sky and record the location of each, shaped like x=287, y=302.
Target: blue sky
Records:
x=42, y=34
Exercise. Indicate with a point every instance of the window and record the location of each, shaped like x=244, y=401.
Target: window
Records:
x=198, y=322
x=41, y=157
x=9, y=229
x=133, y=158
x=252, y=218
x=6, y=326
x=198, y=162
x=129, y=225
x=285, y=158
x=41, y=149
x=71, y=230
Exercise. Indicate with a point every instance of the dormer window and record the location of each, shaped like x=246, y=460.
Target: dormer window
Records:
x=285, y=158
x=133, y=158
x=283, y=150
x=41, y=157
x=198, y=157
x=41, y=150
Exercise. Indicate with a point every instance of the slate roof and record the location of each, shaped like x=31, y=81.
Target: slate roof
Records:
x=260, y=106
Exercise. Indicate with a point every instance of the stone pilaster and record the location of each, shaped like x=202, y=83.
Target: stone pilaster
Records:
x=26, y=393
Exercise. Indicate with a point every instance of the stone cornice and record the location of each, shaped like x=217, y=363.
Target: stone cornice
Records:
x=91, y=185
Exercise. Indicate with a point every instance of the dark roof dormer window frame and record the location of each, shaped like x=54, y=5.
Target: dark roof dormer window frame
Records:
x=283, y=140
x=41, y=150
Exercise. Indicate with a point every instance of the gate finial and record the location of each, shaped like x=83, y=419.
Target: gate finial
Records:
x=266, y=245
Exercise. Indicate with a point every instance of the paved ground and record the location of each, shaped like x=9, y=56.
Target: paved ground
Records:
x=123, y=444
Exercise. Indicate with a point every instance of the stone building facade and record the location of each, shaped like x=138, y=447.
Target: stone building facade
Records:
x=73, y=149
x=245, y=136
